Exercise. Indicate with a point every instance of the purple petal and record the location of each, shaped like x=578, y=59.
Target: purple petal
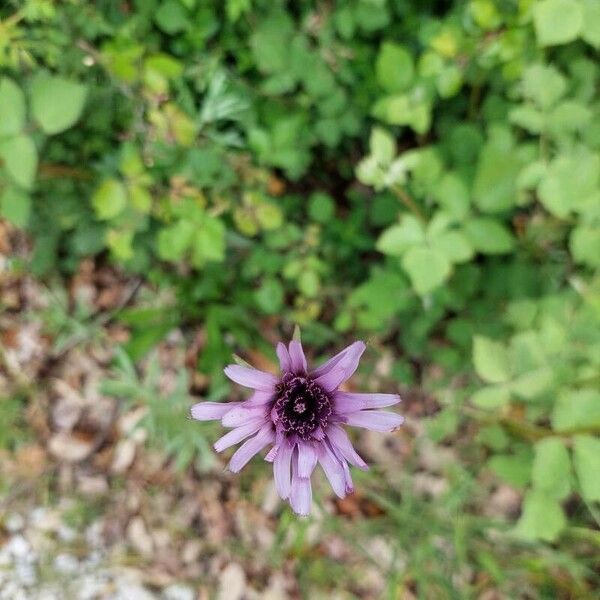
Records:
x=297, y=357
x=300, y=493
x=346, y=402
x=307, y=459
x=250, y=448
x=333, y=470
x=271, y=454
x=240, y=415
x=347, y=477
x=285, y=362
x=376, y=420
x=259, y=399
x=237, y=435
x=343, y=369
x=208, y=411
x=251, y=378
x=281, y=470
x=334, y=360
x=341, y=442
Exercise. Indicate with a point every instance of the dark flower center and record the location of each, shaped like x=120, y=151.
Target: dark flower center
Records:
x=301, y=405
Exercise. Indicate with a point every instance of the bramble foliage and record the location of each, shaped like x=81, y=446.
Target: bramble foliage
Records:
x=422, y=173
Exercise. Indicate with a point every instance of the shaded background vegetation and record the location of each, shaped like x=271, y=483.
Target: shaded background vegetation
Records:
x=182, y=179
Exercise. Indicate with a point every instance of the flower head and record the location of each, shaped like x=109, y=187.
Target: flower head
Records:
x=300, y=414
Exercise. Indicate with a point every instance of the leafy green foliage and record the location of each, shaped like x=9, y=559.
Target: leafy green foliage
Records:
x=167, y=419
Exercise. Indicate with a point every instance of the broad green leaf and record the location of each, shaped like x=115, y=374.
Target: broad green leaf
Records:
x=449, y=81
x=120, y=243
x=172, y=17
x=585, y=245
x=309, y=284
x=12, y=108
x=491, y=360
x=489, y=236
x=569, y=180
x=557, y=21
x=452, y=195
x=532, y=384
x=591, y=23
x=494, y=186
x=576, y=409
x=426, y=268
x=543, y=84
x=382, y=146
x=396, y=240
x=110, y=199
x=394, y=68
x=174, y=241
x=515, y=468
x=491, y=397
x=321, y=207
x=15, y=206
x=527, y=117
x=551, y=472
x=542, y=518
x=586, y=460
x=56, y=103
x=20, y=158
x=269, y=296
x=209, y=241
x=567, y=117
x=454, y=245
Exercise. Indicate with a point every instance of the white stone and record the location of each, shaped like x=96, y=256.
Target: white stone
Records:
x=14, y=522
x=232, y=583
x=66, y=564
x=178, y=591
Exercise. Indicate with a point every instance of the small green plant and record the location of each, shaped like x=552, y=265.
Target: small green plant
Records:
x=167, y=418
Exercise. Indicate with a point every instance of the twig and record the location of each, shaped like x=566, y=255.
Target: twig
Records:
x=404, y=197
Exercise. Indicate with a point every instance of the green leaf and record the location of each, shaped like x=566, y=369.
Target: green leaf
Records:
x=269, y=296
x=489, y=236
x=20, y=159
x=515, y=469
x=576, y=409
x=491, y=360
x=426, y=268
x=56, y=103
x=591, y=23
x=395, y=240
x=557, y=21
x=394, y=68
x=382, y=146
x=110, y=199
x=586, y=460
x=491, y=397
x=452, y=195
x=15, y=205
x=585, y=245
x=543, y=84
x=542, y=518
x=12, y=108
x=570, y=179
x=171, y=17
x=494, y=186
x=551, y=473
x=532, y=384
x=309, y=284
x=321, y=207
x=454, y=245
x=209, y=241
x=174, y=241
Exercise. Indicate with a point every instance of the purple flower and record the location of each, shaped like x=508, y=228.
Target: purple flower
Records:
x=300, y=413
